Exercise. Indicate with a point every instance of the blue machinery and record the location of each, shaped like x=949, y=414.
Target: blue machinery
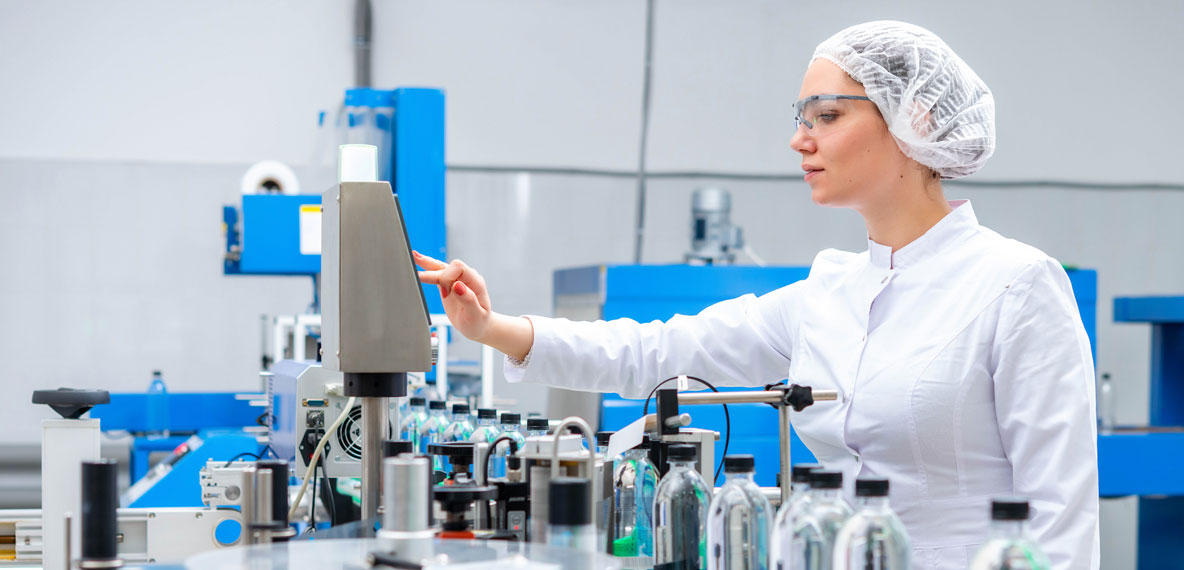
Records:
x=1146, y=462
x=407, y=126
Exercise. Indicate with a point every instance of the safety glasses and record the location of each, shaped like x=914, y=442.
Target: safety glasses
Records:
x=820, y=113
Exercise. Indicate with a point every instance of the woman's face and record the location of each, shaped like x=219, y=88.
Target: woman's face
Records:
x=850, y=157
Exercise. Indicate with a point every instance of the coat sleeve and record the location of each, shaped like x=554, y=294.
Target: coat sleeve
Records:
x=747, y=341
x=1044, y=404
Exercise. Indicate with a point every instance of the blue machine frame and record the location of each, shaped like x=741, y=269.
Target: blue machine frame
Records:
x=1147, y=463
x=629, y=291
x=265, y=239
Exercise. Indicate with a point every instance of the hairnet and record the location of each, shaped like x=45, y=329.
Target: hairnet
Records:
x=941, y=114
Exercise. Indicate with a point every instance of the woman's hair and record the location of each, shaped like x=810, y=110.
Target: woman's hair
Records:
x=938, y=110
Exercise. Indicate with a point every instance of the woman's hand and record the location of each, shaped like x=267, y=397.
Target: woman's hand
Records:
x=466, y=302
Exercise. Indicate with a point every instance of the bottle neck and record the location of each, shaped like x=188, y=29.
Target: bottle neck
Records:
x=486, y=422
x=740, y=477
x=637, y=453
x=510, y=427
x=460, y=417
x=826, y=494
x=799, y=488
x=676, y=464
x=872, y=503
x=1009, y=529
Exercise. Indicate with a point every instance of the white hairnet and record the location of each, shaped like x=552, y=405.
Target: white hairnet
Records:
x=941, y=114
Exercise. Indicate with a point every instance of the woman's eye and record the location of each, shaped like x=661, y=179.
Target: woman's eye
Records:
x=826, y=117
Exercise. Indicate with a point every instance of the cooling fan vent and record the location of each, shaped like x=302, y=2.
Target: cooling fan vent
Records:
x=349, y=434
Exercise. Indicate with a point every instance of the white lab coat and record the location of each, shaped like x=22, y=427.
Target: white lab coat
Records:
x=963, y=369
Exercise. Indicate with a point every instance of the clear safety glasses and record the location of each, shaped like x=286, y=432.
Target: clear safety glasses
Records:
x=821, y=113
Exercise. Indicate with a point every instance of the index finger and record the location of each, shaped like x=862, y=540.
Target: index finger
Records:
x=428, y=262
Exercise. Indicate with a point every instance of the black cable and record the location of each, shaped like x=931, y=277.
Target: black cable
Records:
x=493, y=448
x=243, y=454
x=727, y=417
x=329, y=486
x=312, y=512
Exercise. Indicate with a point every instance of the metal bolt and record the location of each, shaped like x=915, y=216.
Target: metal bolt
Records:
x=197, y=515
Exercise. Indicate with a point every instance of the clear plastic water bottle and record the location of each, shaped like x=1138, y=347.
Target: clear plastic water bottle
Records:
x=680, y=512
x=818, y=525
x=511, y=427
x=432, y=431
x=486, y=431
x=738, y=520
x=158, y=407
x=413, y=420
x=461, y=427
x=1009, y=546
x=781, y=544
x=635, y=482
x=873, y=537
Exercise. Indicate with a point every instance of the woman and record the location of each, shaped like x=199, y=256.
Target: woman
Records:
x=962, y=365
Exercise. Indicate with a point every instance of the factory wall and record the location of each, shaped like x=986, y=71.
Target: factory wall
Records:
x=125, y=126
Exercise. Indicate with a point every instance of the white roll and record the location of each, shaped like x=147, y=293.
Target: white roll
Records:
x=270, y=177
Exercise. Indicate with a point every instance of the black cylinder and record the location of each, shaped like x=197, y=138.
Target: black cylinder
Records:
x=1009, y=509
x=393, y=447
x=279, y=491
x=376, y=384
x=570, y=497
x=100, y=499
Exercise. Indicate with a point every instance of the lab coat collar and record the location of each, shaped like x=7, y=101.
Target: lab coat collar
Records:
x=960, y=220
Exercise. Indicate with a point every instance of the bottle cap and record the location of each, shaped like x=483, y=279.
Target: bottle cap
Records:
x=393, y=447
x=437, y=405
x=486, y=414
x=570, y=501
x=826, y=479
x=460, y=408
x=1010, y=509
x=602, y=437
x=457, y=452
x=538, y=423
x=156, y=373
x=801, y=472
x=871, y=487
x=511, y=418
x=743, y=463
x=681, y=452
x=417, y=401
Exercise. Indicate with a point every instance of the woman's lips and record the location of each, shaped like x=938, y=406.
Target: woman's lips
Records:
x=811, y=174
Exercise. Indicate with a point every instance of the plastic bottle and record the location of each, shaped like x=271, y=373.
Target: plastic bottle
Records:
x=738, y=520
x=461, y=427
x=781, y=544
x=413, y=420
x=432, y=430
x=570, y=514
x=873, y=537
x=486, y=431
x=537, y=426
x=158, y=407
x=680, y=512
x=816, y=527
x=635, y=481
x=1009, y=546
x=510, y=426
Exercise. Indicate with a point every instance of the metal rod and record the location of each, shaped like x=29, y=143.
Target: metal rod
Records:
x=786, y=464
x=247, y=484
x=374, y=423
x=753, y=397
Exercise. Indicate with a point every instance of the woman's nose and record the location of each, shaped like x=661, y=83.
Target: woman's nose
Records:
x=802, y=142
